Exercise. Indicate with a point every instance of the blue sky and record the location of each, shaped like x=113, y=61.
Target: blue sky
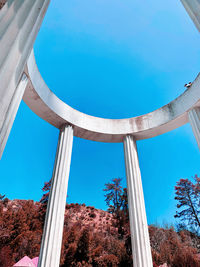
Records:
x=113, y=59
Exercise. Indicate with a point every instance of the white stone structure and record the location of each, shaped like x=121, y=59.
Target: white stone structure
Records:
x=193, y=9
x=194, y=119
x=138, y=222
x=12, y=111
x=19, y=25
x=53, y=228
x=20, y=21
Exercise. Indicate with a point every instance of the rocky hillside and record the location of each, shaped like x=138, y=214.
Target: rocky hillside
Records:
x=101, y=221
x=92, y=237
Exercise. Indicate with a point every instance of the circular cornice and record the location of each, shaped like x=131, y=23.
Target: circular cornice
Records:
x=53, y=110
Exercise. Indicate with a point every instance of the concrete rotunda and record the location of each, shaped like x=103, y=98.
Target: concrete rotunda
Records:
x=20, y=21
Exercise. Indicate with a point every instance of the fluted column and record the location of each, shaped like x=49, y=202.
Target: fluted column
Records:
x=19, y=24
x=141, y=249
x=12, y=111
x=193, y=9
x=54, y=221
x=194, y=119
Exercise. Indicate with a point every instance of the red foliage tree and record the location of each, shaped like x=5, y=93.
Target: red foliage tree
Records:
x=6, y=257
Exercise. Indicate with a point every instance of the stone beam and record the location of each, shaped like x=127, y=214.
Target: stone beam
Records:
x=52, y=109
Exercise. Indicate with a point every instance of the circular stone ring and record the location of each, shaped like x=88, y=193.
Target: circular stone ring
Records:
x=53, y=110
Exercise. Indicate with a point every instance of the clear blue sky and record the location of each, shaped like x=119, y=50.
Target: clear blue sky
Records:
x=113, y=59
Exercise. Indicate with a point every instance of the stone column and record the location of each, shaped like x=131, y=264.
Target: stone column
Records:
x=193, y=9
x=194, y=119
x=54, y=221
x=12, y=111
x=141, y=249
x=19, y=24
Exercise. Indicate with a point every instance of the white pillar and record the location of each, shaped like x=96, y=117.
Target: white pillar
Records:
x=193, y=9
x=12, y=111
x=19, y=24
x=53, y=229
x=194, y=119
x=141, y=249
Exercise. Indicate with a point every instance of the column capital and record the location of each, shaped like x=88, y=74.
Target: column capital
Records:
x=64, y=126
x=129, y=136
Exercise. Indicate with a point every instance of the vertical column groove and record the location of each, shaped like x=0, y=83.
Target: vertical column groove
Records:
x=141, y=249
x=194, y=119
x=54, y=221
x=193, y=9
x=19, y=23
x=12, y=111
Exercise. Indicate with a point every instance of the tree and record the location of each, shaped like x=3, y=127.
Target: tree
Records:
x=116, y=199
x=44, y=201
x=124, y=201
x=2, y=197
x=188, y=197
x=82, y=252
x=113, y=195
x=46, y=188
x=6, y=257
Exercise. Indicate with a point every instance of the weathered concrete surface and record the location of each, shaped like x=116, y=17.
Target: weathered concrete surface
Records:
x=54, y=221
x=141, y=249
x=193, y=9
x=49, y=107
x=19, y=25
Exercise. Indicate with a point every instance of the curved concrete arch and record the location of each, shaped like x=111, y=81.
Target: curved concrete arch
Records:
x=50, y=108
x=72, y=122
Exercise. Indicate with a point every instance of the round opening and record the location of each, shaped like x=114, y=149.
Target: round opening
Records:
x=117, y=59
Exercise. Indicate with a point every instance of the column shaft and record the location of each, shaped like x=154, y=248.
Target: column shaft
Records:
x=12, y=111
x=193, y=9
x=194, y=119
x=141, y=249
x=54, y=221
x=19, y=24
